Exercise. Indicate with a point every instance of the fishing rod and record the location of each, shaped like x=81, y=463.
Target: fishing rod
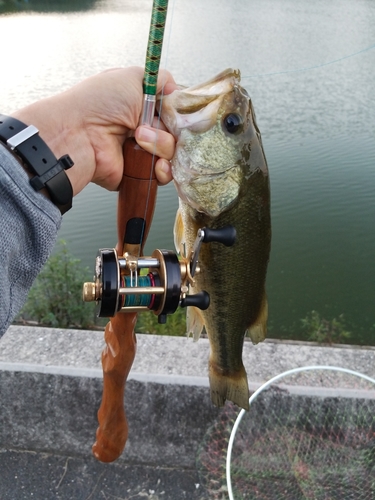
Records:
x=118, y=287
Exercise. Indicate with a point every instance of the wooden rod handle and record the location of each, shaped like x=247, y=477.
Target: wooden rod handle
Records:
x=117, y=359
x=137, y=198
x=138, y=191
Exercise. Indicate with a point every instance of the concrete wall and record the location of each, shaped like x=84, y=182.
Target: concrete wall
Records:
x=51, y=383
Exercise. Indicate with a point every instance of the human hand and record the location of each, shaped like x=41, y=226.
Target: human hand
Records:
x=91, y=121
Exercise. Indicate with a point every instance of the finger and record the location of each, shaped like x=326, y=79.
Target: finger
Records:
x=165, y=82
x=169, y=88
x=163, y=171
x=156, y=142
x=157, y=123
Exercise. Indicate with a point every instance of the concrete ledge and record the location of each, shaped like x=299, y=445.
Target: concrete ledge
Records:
x=172, y=356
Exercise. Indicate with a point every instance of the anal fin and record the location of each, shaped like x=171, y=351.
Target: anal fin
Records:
x=258, y=330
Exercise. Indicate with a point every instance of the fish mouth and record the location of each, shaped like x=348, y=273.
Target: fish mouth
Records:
x=196, y=103
x=196, y=108
x=219, y=84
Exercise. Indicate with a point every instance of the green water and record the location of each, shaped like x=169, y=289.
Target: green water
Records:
x=318, y=126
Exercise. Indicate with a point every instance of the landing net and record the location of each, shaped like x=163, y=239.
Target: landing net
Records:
x=309, y=434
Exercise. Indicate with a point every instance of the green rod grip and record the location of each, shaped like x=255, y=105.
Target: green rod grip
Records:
x=155, y=44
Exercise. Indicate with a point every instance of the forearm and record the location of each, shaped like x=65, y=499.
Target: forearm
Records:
x=28, y=231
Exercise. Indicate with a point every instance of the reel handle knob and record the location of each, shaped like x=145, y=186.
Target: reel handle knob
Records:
x=200, y=300
x=225, y=235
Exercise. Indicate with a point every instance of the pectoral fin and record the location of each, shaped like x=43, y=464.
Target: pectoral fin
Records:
x=258, y=330
x=178, y=233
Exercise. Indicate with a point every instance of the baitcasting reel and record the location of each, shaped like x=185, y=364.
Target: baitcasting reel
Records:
x=118, y=286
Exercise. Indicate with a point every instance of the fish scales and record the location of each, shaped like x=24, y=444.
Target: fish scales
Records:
x=215, y=194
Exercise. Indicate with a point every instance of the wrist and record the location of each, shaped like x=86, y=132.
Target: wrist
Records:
x=47, y=172
x=59, y=124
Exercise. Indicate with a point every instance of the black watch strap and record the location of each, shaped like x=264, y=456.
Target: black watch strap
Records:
x=49, y=172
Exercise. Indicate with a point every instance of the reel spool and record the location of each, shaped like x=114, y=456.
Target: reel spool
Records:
x=118, y=286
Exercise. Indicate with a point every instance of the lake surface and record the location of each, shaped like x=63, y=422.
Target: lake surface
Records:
x=310, y=70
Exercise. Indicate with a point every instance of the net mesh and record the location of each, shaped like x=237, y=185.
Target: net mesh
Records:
x=297, y=442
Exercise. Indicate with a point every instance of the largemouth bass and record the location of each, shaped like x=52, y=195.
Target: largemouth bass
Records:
x=221, y=175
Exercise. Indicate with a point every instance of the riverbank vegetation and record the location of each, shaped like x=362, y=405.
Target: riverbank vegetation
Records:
x=55, y=298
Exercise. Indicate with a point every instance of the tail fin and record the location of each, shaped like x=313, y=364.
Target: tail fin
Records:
x=233, y=387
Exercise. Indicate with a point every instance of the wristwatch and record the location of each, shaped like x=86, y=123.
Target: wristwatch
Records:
x=49, y=172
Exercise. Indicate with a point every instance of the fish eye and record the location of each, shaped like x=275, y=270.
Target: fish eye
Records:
x=233, y=123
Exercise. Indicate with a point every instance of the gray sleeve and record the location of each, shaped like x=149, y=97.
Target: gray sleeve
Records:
x=29, y=223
